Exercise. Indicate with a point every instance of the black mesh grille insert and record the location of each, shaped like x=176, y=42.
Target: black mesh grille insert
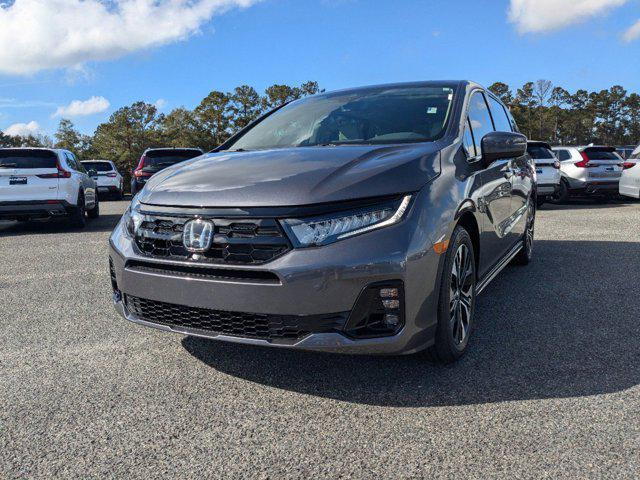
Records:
x=252, y=325
x=112, y=274
x=251, y=242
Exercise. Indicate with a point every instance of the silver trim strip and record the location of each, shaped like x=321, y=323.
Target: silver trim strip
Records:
x=484, y=283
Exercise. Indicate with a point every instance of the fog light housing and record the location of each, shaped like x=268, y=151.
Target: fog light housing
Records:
x=379, y=311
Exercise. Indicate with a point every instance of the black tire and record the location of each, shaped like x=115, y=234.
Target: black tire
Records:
x=525, y=255
x=457, y=300
x=562, y=194
x=77, y=217
x=541, y=201
x=120, y=194
x=95, y=211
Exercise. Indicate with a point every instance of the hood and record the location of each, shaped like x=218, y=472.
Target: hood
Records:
x=294, y=176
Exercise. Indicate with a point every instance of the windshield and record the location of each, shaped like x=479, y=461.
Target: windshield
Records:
x=98, y=166
x=372, y=116
x=165, y=158
x=28, y=159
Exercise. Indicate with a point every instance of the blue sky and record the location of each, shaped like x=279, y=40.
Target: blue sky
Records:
x=339, y=43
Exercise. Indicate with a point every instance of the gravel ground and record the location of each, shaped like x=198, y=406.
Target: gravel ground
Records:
x=550, y=388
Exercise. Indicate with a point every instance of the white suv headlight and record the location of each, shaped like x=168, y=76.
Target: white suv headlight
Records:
x=316, y=231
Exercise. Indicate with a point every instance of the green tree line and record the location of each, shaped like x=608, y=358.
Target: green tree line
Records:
x=132, y=129
x=551, y=113
x=543, y=112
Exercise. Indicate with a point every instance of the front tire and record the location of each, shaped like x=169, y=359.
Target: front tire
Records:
x=457, y=299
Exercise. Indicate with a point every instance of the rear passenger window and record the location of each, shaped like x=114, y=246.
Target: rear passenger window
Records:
x=500, y=119
x=480, y=119
x=563, y=154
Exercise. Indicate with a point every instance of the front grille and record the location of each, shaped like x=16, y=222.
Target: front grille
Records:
x=251, y=325
x=248, y=242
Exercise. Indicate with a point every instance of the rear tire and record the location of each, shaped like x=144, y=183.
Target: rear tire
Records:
x=95, y=211
x=457, y=300
x=562, y=194
x=525, y=255
x=78, y=218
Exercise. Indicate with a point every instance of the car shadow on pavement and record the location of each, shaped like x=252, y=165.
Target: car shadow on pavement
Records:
x=565, y=326
x=589, y=204
x=104, y=223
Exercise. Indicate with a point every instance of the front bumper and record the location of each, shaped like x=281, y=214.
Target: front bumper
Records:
x=308, y=282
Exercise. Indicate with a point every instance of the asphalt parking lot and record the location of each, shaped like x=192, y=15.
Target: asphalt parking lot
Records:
x=550, y=388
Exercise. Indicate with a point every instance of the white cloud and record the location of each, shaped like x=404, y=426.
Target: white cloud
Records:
x=46, y=34
x=633, y=33
x=160, y=103
x=80, y=108
x=23, y=129
x=546, y=15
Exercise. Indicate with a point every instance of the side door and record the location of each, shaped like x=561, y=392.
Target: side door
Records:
x=522, y=173
x=494, y=200
x=87, y=183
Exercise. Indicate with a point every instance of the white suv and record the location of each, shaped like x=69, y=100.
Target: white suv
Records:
x=107, y=177
x=40, y=183
x=589, y=170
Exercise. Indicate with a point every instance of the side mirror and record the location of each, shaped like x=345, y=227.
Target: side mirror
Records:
x=502, y=145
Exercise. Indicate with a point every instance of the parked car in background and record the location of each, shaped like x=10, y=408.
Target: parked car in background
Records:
x=107, y=177
x=630, y=179
x=547, y=170
x=42, y=183
x=625, y=151
x=363, y=221
x=589, y=170
x=154, y=160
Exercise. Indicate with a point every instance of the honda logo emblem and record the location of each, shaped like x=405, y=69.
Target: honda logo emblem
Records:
x=198, y=235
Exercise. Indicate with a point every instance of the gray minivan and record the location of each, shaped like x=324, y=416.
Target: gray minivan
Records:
x=361, y=221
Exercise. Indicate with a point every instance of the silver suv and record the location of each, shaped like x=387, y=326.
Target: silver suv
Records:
x=590, y=170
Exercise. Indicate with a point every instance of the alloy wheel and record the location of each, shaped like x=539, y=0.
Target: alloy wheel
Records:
x=461, y=295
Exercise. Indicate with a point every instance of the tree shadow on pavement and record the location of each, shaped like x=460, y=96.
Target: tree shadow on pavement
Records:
x=565, y=326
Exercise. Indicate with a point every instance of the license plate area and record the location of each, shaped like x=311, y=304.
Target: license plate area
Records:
x=606, y=174
x=17, y=180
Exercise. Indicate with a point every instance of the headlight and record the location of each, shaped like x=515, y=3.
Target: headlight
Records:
x=132, y=219
x=316, y=231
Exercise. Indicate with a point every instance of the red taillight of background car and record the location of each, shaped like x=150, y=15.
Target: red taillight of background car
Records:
x=61, y=173
x=138, y=171
x=628, y=165
x=584, y=163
